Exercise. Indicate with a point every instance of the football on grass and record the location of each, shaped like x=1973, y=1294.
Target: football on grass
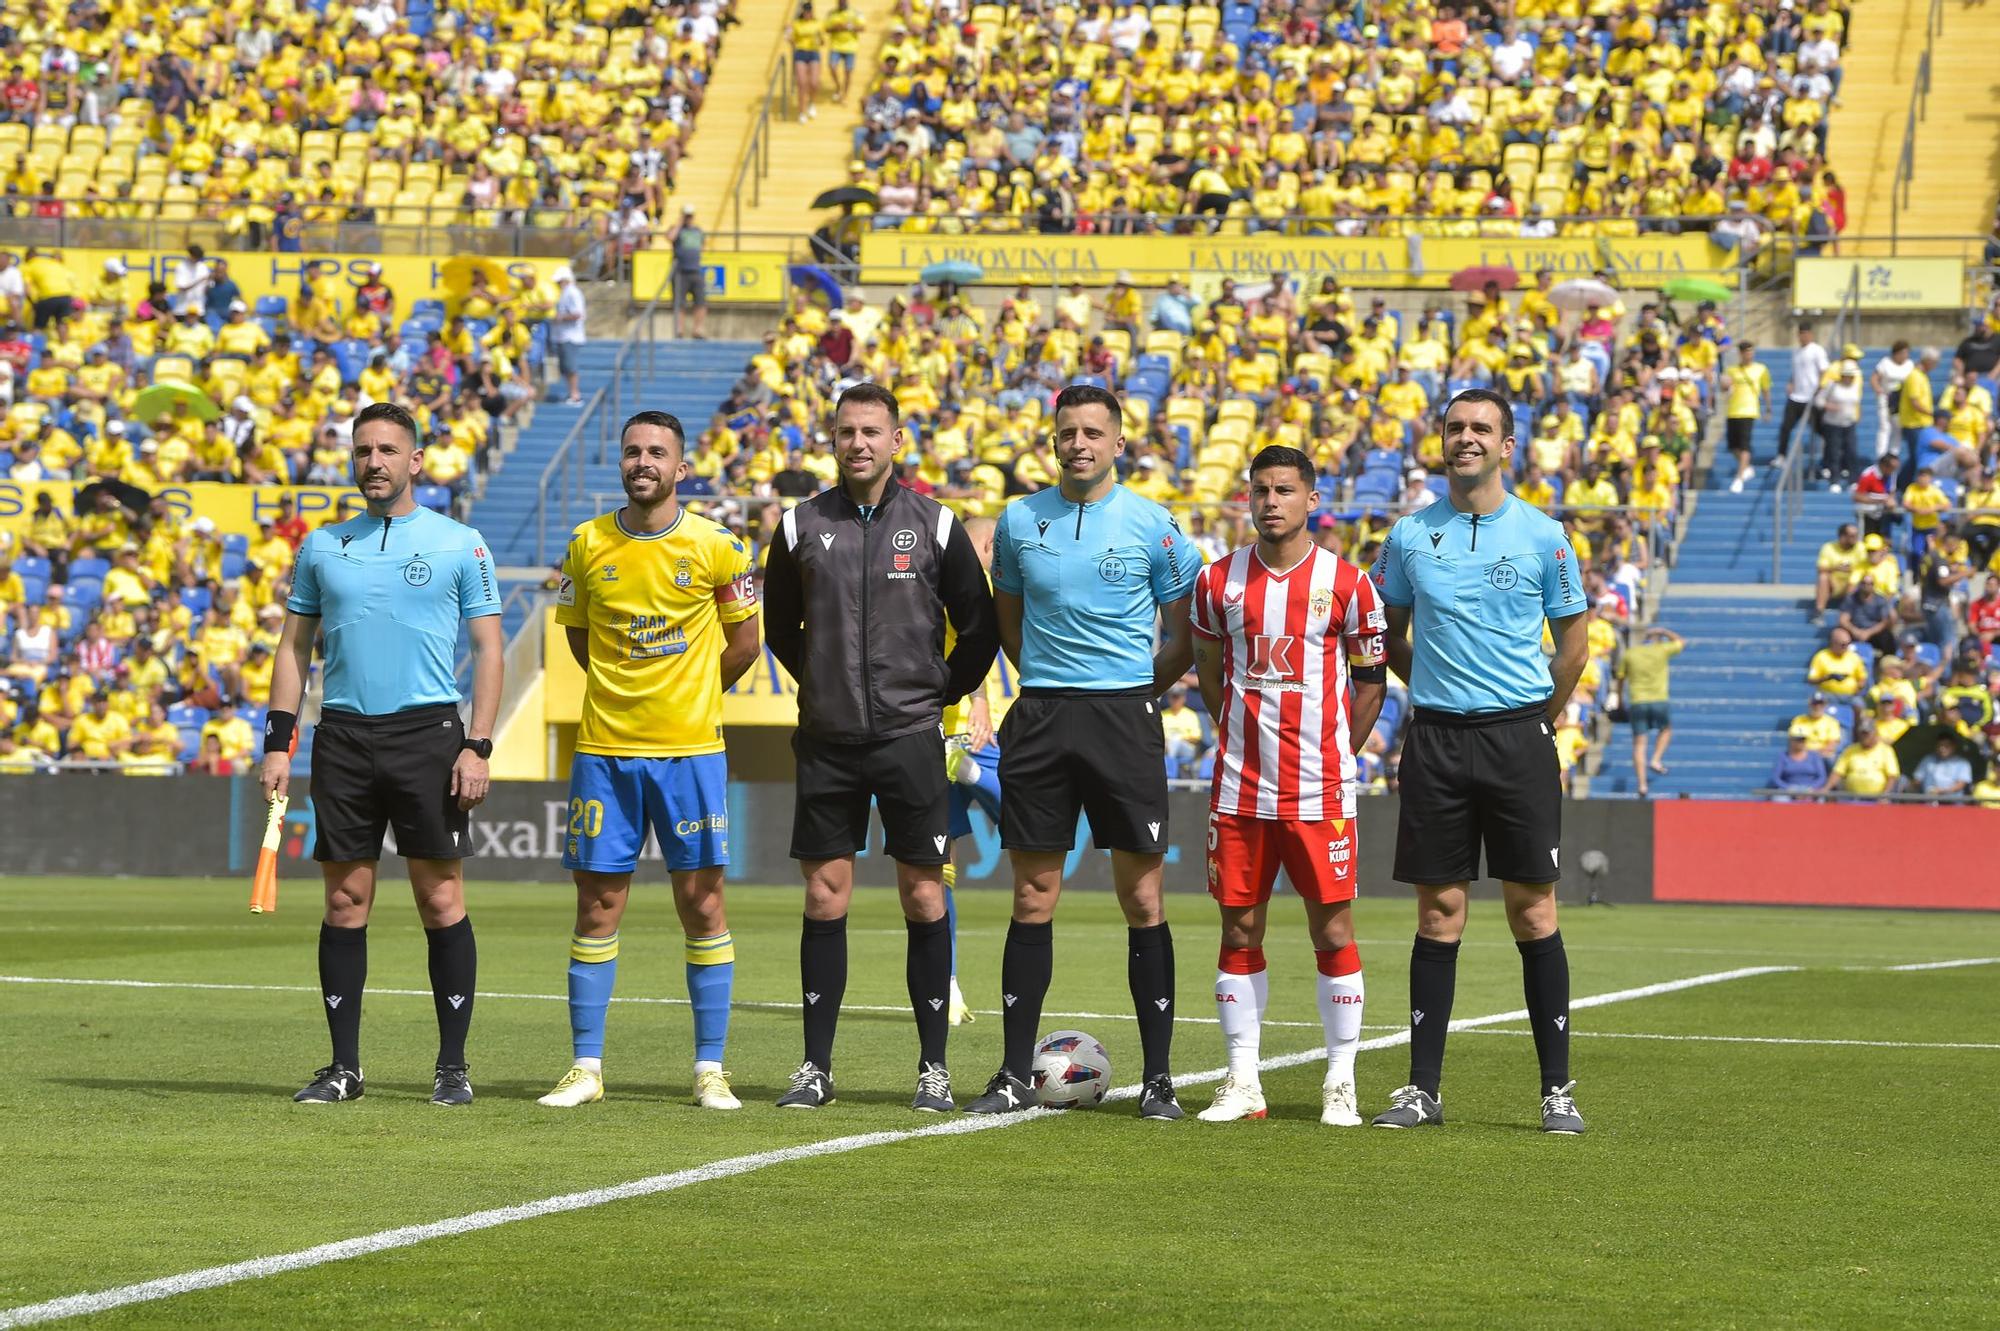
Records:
x=1072, y=1071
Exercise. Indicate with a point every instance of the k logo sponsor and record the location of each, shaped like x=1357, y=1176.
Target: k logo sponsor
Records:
x=1273, y=656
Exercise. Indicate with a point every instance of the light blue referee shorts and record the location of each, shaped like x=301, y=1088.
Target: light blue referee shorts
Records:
x=613, y=801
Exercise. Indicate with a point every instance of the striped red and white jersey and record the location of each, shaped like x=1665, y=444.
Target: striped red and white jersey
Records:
x=1287, y=640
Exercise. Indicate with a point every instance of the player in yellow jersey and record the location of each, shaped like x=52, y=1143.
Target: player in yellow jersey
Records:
x=660, y=611
x=972, y=761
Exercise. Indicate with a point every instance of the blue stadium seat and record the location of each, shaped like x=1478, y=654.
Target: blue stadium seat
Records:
x=190, y=743
x=89, y=568
x=436, y=498
x=232, y=566
x=234, y=544
x=196, y=599
x=426, y=309
x=270, y=307
x=84, y=593
x=187, y=714
x=6, y=459
x=33, y=590
x=1375, y=485
x=32, y=566
x=1929, y=653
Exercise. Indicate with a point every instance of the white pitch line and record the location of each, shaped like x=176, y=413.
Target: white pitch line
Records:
x=1764, y=1039
x=564, y=998
x=1946, y=965
x=212, y=1277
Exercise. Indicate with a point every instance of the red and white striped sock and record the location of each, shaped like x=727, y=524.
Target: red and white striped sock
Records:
x=1241, y=991
x=1340, y=995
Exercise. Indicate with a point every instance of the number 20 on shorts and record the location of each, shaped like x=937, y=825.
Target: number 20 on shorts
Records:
x=586, y=817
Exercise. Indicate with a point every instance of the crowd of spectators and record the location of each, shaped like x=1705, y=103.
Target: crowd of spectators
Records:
x=140, y=643
x=1404, y=117
x=1610, y=403
x=111, y=585
x=1906, y=693
x=279, y=121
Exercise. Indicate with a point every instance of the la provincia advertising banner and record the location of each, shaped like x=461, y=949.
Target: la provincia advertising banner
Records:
x=235, y=509
x=1644, y=262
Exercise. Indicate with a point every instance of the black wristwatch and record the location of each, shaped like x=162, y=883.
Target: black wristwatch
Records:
x=482, y=747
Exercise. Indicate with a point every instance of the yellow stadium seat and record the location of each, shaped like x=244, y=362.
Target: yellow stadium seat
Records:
x=70, y=186
x=148, y=189
x=1165, y=342
x=1198, y=35
x=51, y=133
x=1313, y=364
x=1232, y=412
x=177, y=203
x=422, y=174
x=177, y=368
x=318, y=145
x=1229, y=432
x=1137, y=417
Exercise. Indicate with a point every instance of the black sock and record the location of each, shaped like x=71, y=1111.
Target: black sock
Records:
x=454, y=973
x=928, y=970
x=1433, y=977
x=1026, y=966
x=1545, y=980
x=343, y=973
x=822, y=984
x=1149, y=969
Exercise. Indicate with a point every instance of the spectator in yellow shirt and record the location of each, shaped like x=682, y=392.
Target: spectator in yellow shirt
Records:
x=1838, y=669
x=1183, y=729
x=1923, y=500
x=232, y=732
x=100, y=734
x=1817, y=727
x=1867, y=766
x=1840, y=560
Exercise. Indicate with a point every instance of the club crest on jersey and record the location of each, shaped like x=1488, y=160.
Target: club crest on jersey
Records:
x=906, y=539
x=683, y=575
x=1322, y=603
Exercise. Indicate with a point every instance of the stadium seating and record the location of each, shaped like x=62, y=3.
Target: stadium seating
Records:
x=1395, y=120
x=569, y=116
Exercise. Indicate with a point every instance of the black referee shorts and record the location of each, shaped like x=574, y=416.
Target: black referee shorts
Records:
x=1065, y=752
x=904, y=776
x=371, y=772
x=1482, y=779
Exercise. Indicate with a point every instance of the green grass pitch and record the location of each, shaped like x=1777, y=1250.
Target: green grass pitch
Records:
x=1745, y=1168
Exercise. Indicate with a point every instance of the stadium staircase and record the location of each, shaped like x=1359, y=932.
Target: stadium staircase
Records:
x=1742, y=676
x=805, y=159
x=689, y=379
x=1957, y=141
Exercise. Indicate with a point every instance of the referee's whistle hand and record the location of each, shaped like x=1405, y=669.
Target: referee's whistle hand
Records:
x=469, y=780
x=275, y=776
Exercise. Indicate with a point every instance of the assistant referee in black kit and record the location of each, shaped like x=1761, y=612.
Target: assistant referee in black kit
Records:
x=1477, y=575
x=389, y=589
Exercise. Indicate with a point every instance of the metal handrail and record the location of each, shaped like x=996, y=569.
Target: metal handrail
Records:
x=755, y=161
x=564, y=458
x=1920, y=91
x=1481, y=227
x=1788, y=495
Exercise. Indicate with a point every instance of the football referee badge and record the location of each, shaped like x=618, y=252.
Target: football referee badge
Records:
x=416, y=573
x=683, y=575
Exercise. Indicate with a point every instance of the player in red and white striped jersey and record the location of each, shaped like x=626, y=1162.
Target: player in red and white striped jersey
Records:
x=1284, y=632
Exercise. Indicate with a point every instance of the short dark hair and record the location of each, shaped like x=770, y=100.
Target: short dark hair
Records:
x=1283, y=455
x=1083, y=395
x=1505, y=407
x=867, y=394
x=396, y=416
x=665, y=420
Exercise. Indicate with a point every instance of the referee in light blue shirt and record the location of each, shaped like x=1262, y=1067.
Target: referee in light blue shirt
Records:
x=387, y=590
x=1469, y=582
x=1085, y=577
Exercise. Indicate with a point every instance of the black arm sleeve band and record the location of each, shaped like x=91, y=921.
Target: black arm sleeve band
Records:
x=278, y=728
x=1375, y=674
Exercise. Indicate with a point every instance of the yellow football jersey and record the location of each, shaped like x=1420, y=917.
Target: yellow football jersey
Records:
x=958, y=717
x=654, y=606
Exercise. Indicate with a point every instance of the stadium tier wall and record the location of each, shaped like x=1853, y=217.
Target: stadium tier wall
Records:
x=1706, y=850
